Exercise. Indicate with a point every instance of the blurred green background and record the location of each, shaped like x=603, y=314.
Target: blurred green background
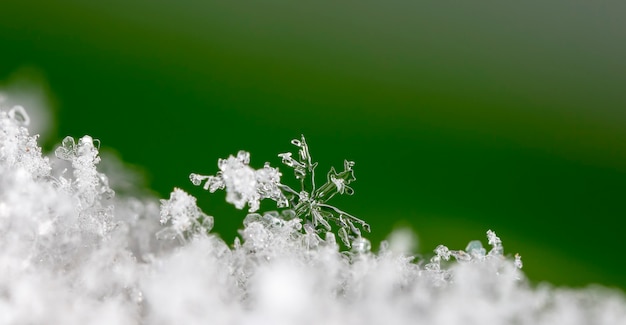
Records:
x=461, y=117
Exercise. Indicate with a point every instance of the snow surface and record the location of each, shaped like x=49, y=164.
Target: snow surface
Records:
x=73, y=252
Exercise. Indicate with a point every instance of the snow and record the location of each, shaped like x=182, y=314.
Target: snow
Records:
x=72, y=252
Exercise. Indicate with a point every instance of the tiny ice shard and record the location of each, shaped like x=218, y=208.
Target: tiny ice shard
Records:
x=67, y=149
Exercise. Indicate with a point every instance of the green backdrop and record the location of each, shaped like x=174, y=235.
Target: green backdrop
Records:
x=461, y=117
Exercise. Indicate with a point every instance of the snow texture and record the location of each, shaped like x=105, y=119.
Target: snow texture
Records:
x=72, y=252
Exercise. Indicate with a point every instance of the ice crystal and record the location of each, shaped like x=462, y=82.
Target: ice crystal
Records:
x=310, y=202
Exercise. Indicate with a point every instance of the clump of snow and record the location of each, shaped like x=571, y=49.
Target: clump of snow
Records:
x=242, y=183
x=185, y=217
x=72, y=252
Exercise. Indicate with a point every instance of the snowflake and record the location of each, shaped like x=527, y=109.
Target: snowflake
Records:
x=310, y=203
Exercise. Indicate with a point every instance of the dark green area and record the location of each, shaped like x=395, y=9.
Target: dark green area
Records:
x=460, y=117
